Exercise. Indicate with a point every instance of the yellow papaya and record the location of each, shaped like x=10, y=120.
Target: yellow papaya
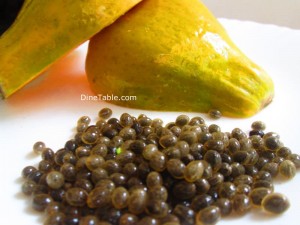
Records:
x=174, y=55
x=46, y=30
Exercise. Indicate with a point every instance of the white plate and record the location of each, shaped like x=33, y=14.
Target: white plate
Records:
x=47, y=109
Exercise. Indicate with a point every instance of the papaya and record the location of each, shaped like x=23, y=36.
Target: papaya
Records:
x=46, y=30
x=174, y=55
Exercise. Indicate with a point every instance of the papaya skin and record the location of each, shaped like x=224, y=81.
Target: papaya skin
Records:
x=174, y=55
x=46, y=30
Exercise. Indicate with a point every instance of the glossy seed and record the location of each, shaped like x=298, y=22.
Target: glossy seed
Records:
x=76, y=196
x=182, y=120
x=208, y=216
x=149, y=151
x=99, y=197
x=41, y=201
x=137, y=201
x=28, y=187
x=188, y=136
x=258, y=125
x=227, y=190
x=184, y=190
x=158, y=161
x=257, y=194
x=185, y=214
x=105, y=113
x=126, y=120
x=215, y=114
x=158, y=192
x=55, y=179
x=275, y=203
x=200, y=202
x=154, y=179
x=287, y=169
x=89, y=220
x=295, y=158
x=263, y=183
x=55, y=219
x=168, y=140
x=38, y=147
x=241, y=204
x=272, y=168
x=128, y=219
x=225, y=206
x=156, y=208
x=120, y=197
x=214, y=159
x=193, y=171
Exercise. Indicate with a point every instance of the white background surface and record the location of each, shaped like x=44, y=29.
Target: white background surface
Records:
x=280, y=12
x=48, y=108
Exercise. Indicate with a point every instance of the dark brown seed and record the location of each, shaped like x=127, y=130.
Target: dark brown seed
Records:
x=189, y=136
x=137, y=201
x=120, y=197
x=176, y=168
x=214, y=128
x=208, y=216
x=275, y=203
x=225, y=206
x=41, y=201
x=257, y=194
x=128, y=219
x=182, y=120
x=28, y=187
x=185, y=214
x=258, y=125
x=184, y=190
x=200, y=202
x=84, y=184
x=158, y=193
x=263, y=183
x=158, y=161
x=38, y=147
x=283, y=152
x=295, y=158
x=241, y=204
x=99, y=197
x=154, y=179
x=193, y=171
x=105, y=113
x=202, y=186
x=55, y=179
x=215, y=114
x=156, y=208
x=243, y=189
x=217, y=145
x=168, y=140
x=238, y=134
x=55, y=219
x=89, y=220
x=272, y=168
x=27, y=171
x=214, y=159
x=263, y=175
x=243, y=179
x=287, y=168
x=76, y=196
x=237, y=169
x=227, y=190
x=47, y=154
